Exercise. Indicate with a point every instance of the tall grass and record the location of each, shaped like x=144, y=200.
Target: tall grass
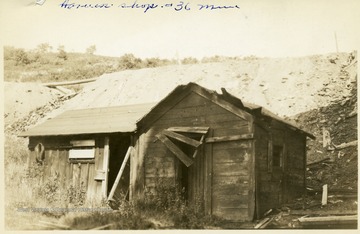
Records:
x=27, y=193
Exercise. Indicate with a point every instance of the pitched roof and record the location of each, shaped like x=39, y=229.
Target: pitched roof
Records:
x=94, y=120
x=127, y=118
x=250, y=108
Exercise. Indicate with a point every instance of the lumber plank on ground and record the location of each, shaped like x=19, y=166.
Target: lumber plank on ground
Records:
x=73, y=82
x=323, y=212
x=317, y=162
x=308, y=221
x=346, y=145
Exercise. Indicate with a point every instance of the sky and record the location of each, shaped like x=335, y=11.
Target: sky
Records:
x=265, y=28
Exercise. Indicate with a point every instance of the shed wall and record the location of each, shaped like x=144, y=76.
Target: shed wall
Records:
x=222, y=169
x=72, y=178
x=276, y=186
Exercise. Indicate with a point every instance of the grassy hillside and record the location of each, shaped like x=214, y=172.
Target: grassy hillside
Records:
x=43, y=65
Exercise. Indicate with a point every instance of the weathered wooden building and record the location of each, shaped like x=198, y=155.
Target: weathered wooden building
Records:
x=238, y=159
x=86, y=148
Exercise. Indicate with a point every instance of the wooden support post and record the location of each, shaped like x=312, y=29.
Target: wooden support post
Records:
x=104, y=184
x=208, y=176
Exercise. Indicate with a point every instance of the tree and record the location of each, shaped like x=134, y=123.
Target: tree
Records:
x=91, y=49
x=44, y=48
x=129, y=61
x=21, y=57
x=62, y=53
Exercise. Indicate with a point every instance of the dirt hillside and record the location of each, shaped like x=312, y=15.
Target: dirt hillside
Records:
x=22, y=98
x=287, y=86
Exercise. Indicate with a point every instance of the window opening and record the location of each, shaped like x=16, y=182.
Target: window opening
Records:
x=277, y=156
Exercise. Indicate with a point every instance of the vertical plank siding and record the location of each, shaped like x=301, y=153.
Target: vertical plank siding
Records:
x=270, y=192
x=219, y=175
x=69, y=175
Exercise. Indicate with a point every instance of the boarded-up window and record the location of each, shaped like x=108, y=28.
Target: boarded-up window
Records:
x=183, y=138
x=82, y=153
x=83, y=150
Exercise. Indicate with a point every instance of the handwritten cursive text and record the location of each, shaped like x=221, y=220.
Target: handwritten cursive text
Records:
x=146, y=6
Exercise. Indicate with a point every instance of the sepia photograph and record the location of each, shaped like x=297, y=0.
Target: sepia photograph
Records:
x=180, y=114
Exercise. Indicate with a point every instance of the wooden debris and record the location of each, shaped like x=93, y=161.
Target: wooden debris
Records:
x=54, y=84
x=318, y=162
x=328, y=220
x=324, y=195
x=175, y=150
x=229, y=138
x=103, y=226
x=326, y=138
x=346, y=145
x=267, y=212
x=263, y=223
x=53, y=225
x=323, y=212
x=64, y=90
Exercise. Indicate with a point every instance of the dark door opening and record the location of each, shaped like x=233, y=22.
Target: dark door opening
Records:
x=118, y=148
x=186, y=176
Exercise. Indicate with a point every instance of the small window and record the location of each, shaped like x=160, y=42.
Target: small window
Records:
x=82, y=151
x=277, y=156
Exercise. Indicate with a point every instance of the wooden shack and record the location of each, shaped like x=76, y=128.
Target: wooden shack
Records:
x=237, y=159
x=85, y=149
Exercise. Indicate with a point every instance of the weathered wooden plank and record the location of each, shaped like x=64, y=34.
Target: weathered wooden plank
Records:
x=82, y=143
x=208, y=176
x=158, y=111
x=230, y=189
x=99, y=175
x=222, y=130
x=84, y=177
x=232, y=155
x=163, y=172
x=229, y=138
x=230, y=180
x=76, y=175
x=62, y=157
x=233, y=214
x=106, y=157
x=230, y=169
x=98, y=166
x=173, y=148
x=201, y=130
x=197, y=149
x=181, y=122
x=225, y=201
x=224, y=104
x=252, y=182
x=181, y=138
x=193, y=99
x=166, y=160
x=91, y=188
x=328, y=220
x=217, y=117
x=63, y=83
x=68, y=171
x=241, y=145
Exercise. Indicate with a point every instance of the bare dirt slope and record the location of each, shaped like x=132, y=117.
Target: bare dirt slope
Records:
x=287, y=86
x=22, y=98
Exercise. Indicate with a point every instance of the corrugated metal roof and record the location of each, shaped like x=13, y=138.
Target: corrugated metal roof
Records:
x=94, y=120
